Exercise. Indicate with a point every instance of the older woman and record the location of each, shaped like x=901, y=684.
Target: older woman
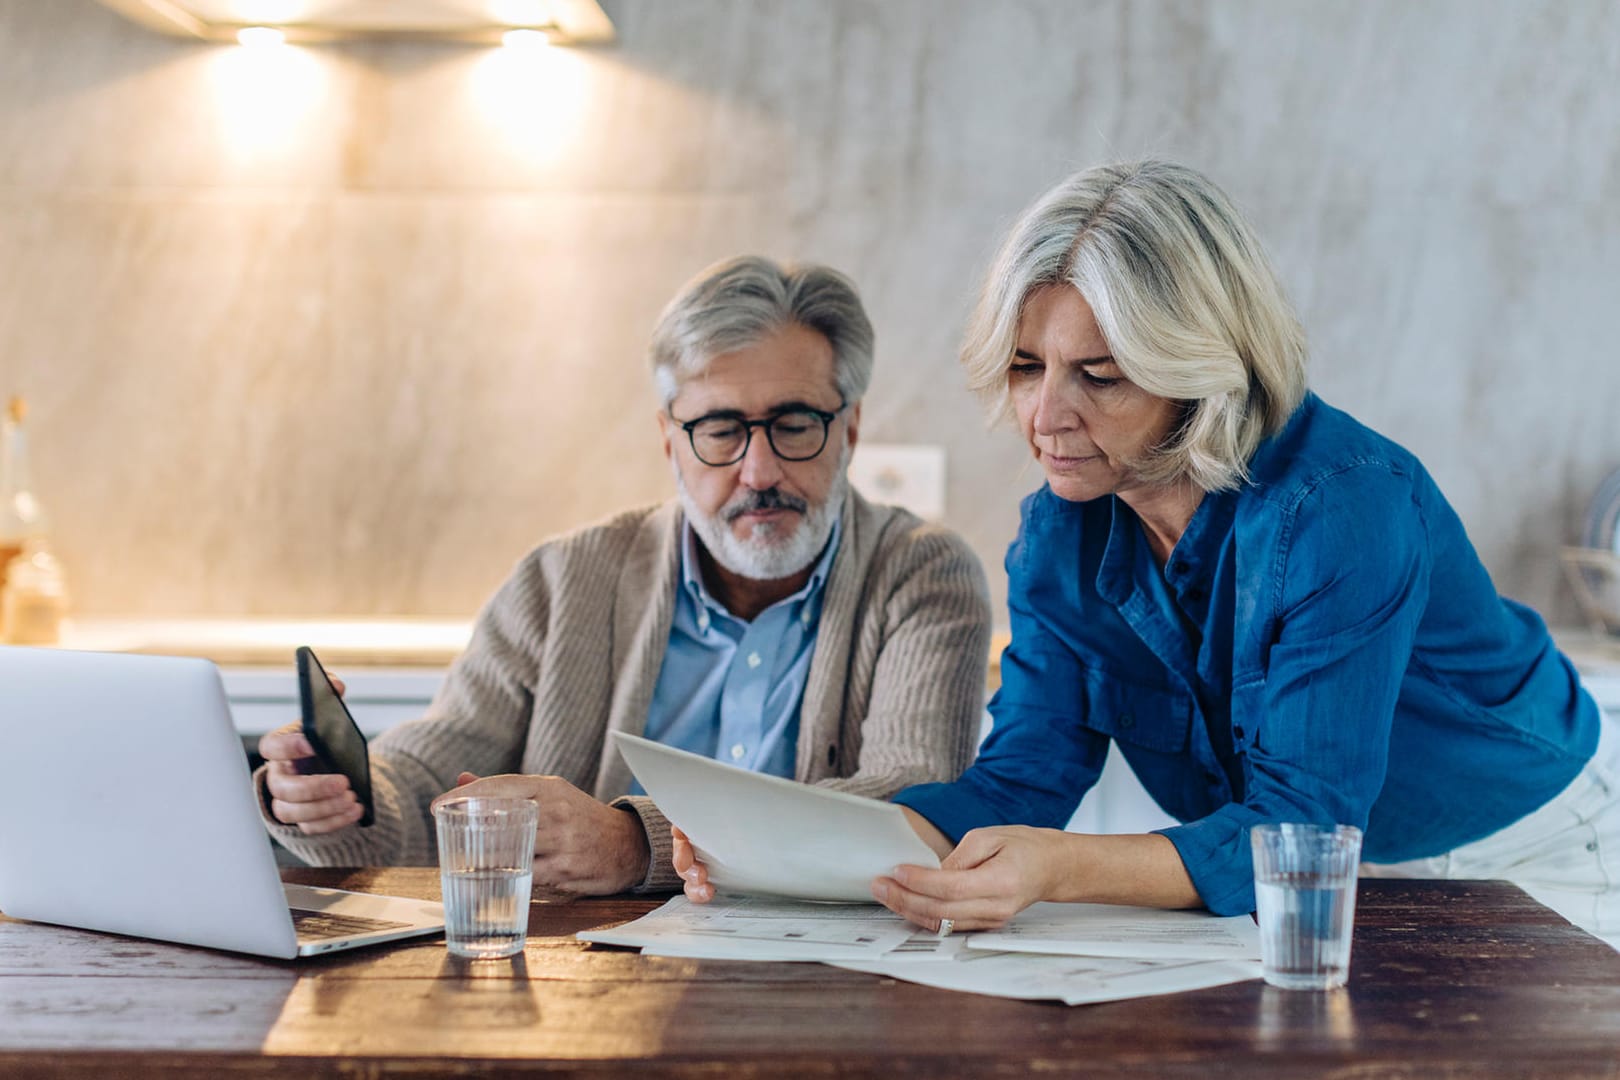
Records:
x=1269, y=608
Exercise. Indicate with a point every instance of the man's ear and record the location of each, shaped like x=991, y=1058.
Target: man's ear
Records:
x=852, y=426
x=666, y=428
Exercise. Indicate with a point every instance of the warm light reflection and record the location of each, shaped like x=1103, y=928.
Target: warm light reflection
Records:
x=266, y=100
x=261, y=37
x=1296, y=1018
x=270, y=11
x=521, y=12
x=525, y=39
x=534, y=99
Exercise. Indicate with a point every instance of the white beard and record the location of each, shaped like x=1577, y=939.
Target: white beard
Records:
x=771, y=552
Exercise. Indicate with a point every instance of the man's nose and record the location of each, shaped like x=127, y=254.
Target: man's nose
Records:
x=761, y=468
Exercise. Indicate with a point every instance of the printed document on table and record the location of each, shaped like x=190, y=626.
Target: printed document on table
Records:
x=1134, y=933
x=764, y=834
x=732, y=927
x=1073, y=980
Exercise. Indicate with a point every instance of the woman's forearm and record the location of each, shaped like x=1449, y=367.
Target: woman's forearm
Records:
x=1141, y=868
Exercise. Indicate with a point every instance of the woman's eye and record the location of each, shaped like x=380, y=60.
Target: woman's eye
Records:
x=1024, y=369
x=1098, y=380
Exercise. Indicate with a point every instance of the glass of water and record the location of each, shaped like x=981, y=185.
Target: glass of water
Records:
x=1305, y=895
x=486, y=873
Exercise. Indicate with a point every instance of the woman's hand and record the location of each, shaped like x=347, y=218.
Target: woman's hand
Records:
x=694, y=874
x=992, y=875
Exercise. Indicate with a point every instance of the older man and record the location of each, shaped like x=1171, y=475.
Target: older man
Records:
x=769, y=617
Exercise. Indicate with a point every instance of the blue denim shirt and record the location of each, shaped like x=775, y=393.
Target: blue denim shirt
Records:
x=1323, y=645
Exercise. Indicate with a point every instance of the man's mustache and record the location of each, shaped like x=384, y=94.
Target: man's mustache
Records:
x=755, y=501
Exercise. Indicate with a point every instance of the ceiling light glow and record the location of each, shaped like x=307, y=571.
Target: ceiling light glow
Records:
x=525, y=39
x=260, y=12
x=521, y=12
x=261, y=37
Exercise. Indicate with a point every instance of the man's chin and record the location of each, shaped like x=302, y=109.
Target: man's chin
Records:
x=762, y=556
x=766, y=545
x=771, y=529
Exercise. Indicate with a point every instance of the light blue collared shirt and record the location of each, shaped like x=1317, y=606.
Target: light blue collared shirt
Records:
x=730, y=689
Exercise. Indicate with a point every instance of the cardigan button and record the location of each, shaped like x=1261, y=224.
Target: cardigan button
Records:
x=1126, y=720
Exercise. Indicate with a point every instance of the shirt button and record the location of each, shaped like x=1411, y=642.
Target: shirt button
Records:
x=1591, y=845
x=703, y=621
x=754, y=660
x=1126, y=720
x=737, y=751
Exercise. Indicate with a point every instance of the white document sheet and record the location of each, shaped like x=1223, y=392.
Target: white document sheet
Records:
x=764, y=834
x=732, y=927
x=1131, y=932
x=1074, y=980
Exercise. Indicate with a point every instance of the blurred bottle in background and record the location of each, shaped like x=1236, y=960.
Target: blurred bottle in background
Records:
x=35, y=599
x=33, y=592
x=21, y=516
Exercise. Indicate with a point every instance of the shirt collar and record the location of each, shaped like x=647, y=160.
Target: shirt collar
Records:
x=1198, y=547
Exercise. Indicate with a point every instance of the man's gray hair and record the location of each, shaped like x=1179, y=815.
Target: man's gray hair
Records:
x=740, y=302
x=1184, y=296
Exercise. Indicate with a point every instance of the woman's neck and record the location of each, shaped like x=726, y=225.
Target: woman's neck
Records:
x=1165, y=513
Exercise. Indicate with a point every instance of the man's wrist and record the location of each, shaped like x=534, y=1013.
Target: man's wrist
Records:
x=636, y=847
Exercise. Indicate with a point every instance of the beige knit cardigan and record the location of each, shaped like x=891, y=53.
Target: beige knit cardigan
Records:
x=570, y=647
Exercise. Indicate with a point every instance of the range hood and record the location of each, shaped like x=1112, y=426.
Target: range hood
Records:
x=565, y=22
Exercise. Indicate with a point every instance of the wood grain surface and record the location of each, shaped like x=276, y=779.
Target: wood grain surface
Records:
x=1449, y=979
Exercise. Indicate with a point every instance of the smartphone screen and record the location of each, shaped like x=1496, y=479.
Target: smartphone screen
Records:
x=339, y=745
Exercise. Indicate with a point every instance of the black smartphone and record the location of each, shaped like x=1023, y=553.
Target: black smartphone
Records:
x=339, y=745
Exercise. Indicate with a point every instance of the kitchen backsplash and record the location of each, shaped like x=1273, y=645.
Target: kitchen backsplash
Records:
x=346, y=330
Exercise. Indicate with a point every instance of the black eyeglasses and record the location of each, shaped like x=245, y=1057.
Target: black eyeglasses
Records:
x=796, y=434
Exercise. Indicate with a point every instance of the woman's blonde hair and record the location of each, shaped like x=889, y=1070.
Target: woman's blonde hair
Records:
x=1183, y=294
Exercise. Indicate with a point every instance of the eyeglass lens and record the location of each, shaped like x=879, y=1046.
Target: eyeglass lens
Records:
x=795, y=436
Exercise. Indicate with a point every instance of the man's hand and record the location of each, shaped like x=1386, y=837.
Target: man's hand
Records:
x=694, y=875
x=315, y=802
x=582, y=845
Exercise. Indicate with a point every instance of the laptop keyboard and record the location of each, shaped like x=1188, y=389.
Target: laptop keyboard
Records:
x=321, y=925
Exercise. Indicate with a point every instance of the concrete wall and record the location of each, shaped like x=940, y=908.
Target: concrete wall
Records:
x=345, y=330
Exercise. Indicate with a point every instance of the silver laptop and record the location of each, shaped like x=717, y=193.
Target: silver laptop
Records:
x=126, y=805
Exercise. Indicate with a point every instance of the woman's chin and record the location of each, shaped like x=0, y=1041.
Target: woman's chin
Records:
x=1072, y=488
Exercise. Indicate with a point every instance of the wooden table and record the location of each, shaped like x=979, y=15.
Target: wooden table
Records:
x=1452, y=979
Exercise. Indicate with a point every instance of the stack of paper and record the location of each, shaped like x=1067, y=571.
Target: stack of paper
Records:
x=761, y=834
x=1076, y=953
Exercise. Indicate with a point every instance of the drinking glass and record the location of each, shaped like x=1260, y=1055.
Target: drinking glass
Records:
x=1305, y=896
x=486, y=873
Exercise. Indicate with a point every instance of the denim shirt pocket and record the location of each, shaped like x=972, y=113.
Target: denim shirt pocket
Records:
x=1138, y=717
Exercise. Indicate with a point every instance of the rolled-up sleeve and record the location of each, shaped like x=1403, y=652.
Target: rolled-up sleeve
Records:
x=1316, y=719
x=1039, y=759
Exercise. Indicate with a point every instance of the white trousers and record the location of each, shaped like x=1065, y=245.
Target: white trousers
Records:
x=1566, y=854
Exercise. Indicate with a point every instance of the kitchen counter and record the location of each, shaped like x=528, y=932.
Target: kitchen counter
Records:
x=1597, y=657
x=392, y=666
x=264, y=641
